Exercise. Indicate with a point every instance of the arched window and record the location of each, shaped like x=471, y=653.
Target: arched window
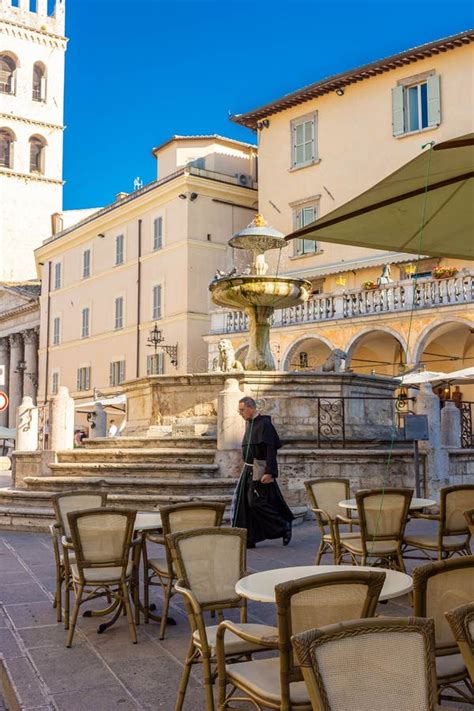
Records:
x=7, y=74
x=39, y=82
x=37, y=145
x=6, y=148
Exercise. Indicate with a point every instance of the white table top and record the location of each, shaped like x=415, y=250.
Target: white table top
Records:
x=147, y=521
x=414, y=505
x=261, y=586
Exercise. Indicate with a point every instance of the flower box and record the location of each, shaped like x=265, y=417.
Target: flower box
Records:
x=444, y=272
x=369, y=285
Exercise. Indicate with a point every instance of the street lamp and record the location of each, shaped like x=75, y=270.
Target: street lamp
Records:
x=155, y=340
x=21, y=368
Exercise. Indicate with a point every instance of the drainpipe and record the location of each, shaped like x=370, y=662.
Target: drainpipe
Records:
x=139, y=276
x=48, y=310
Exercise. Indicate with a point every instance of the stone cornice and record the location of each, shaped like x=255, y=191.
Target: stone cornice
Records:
x=17, y=29
x=32, y=122
x=30, y=176
x=20, y=311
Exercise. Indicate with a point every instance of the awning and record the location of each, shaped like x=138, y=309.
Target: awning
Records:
x=7, y=433
x=389, y=215
x=426, y=376
x=115, y=400
x=466, y=375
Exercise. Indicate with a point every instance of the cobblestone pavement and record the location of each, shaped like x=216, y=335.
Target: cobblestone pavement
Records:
x=107, y=671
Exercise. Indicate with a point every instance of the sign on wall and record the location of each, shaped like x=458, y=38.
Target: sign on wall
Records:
x=3, y=401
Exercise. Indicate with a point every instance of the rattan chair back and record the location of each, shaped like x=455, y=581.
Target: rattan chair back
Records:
x=454, y=501
x=321, y=600
x=461, y=621
x=210, y=561
x=383, y=663
x=325, y=494
x=101, y=537
x=75, y=501
x=469, y=516
x=439, y=587
x=383, y=513
x=184, y=517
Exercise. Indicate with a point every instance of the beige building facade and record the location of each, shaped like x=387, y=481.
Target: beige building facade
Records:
x=320, y=147
x=142, y=261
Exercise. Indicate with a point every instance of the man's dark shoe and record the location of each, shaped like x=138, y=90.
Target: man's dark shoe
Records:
x=287, y=537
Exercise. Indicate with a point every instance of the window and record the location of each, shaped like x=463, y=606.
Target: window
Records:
x=157, y=233
x=156, y=302
x=56, y=331
x=119, y=249
x=117, y=372
x=155, y=364
x=39, y=82
x=57, y=275
x=7, y=74
x=6, y=148
x=55, y=382
x=85, y=323
x=416, y=104
x=84, y=378
x=303, y=136
x=304, y=216
x=37, y=145
x=86, y=263
x=119, y=312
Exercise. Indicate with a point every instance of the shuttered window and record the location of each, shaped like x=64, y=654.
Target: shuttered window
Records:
x=303, y=217
x=84, y=378
x=155, y=364
x=118, y=313
x=119, y=240
x=86, y=264
x=416, y=106
x=55, y=382
x=57, y=275
x=56, y=331
x=303, y=136
x=156, y=302
x=117, y=372
x=157, y=233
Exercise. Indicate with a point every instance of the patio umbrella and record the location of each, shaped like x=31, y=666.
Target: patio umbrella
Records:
x=388, y=215
x=466, y=375
x=427, y=376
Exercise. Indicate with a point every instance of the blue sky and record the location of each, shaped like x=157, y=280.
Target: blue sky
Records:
x=138, y=71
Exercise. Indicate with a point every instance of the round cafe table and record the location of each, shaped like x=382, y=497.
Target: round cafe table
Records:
x=415, y=504
x=261, y=586
x=147, y=521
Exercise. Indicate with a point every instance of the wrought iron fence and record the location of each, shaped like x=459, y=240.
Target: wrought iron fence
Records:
x=467, y=437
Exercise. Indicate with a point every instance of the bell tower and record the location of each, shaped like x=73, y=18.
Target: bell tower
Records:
x=32, y=49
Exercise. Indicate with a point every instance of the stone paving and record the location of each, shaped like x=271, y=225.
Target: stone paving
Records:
x=107, y=671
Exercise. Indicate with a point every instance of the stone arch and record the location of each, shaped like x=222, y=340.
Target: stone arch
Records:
x=9, y=65
x=37, y=153
x=427, y=335
x=381, y=349
x=317, y=349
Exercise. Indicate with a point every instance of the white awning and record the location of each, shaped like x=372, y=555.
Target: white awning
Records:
x=7, y=433
x=115, y=400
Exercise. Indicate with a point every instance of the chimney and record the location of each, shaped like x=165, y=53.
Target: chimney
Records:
x=120, y=196
x=56, y=223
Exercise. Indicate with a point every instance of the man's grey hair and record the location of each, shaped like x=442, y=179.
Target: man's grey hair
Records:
x=249, y=401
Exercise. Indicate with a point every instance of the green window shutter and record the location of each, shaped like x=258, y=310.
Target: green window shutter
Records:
x=122, y=371
x=111, y=374
x=149, y=365
x=434, y=100
x=161, y=363
x=78, y=381
x=398, y=124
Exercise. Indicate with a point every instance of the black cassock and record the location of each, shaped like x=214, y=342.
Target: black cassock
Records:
x=260, y=508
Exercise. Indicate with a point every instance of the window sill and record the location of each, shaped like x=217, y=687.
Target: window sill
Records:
x=306, y=255
x=304, y=165
x=416, y=133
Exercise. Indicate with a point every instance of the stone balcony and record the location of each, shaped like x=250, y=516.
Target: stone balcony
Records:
x=400, y=296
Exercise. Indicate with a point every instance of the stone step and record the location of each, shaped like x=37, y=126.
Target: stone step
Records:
x=152, y=455
x=158, y=470
x=203, y=442
x=132, y=485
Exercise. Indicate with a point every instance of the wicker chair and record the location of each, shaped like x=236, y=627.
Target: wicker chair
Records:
x=102, y=540
x=469, y=516
x=382, y=520
x=324, y=496
x=209, y=562
x=438, y=588
x=461, y=621
x=63, y=504
x=380, y=664
x=453, y=534
x=301, y=605
x=160, y=570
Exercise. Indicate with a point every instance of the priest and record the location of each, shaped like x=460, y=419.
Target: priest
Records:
x=258, y=504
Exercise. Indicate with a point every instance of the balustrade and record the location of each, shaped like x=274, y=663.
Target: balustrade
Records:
x=387, y=298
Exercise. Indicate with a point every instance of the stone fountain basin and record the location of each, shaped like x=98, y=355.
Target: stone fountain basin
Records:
x=241, y=291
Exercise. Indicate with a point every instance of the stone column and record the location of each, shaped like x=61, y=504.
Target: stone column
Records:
x=230, y=425
x=61, y=429
x=437, y=458
x=15, y=385
x=5, y=360
x=30, y=382
x=100, y=421
x=27, y=426
x=450, y=425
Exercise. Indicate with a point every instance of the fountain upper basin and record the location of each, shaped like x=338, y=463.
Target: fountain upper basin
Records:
x=277, y=291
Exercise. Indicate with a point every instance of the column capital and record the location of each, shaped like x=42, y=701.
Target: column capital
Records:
x=30, y=335
x=15, y=339
x=4, y=345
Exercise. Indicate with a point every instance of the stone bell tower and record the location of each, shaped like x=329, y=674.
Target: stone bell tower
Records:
x=32, y=48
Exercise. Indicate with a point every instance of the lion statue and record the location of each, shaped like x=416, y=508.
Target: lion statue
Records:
x=226, y=361
x=335, y=362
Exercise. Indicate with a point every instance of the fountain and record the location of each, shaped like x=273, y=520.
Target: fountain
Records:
x=258, y=294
